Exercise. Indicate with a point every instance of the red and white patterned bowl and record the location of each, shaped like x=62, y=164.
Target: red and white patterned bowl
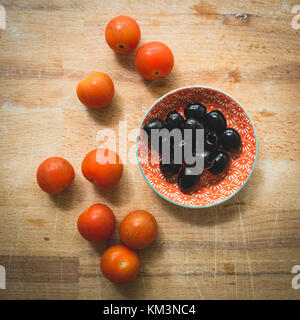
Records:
x=212, y=189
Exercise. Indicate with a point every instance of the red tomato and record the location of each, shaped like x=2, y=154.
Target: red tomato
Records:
x=122, y=34
x=138, y=229
x=96, y=91
x=97, y=223
x=102, y=167
x=154, y=60
x=54, y=175
x=120, y=264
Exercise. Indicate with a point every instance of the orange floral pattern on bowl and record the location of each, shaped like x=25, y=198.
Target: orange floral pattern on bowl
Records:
x=212, y=189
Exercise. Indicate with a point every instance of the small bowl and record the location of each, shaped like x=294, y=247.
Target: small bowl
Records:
x=212, y=189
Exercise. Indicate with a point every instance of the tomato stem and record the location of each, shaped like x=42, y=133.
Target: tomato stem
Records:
x=122, y=262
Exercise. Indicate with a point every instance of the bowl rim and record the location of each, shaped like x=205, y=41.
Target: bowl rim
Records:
x=137, y=147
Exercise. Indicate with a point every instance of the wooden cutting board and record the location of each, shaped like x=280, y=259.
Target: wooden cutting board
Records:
x=243, y=249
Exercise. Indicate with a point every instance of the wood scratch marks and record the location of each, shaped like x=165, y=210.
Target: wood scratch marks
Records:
x=186, y=264
x=274, y=228
x=55, y=227
x=144, y=284
x=275, y=221
x=55, y=221
x=216, y=245
x=32, y=145
x=73, y=234
x=10, y=255
x=99, y=292
x=198, y=289
x=47, y=290
x=235, y=280
x=61, y=279
x=235, y=269
x=247, y=253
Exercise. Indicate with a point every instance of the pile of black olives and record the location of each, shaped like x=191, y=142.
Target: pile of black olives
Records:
x=218, y=140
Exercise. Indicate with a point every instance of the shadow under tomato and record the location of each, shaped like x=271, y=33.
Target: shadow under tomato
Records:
x=126, y=60
x=112, y=195
x=99, y=247
x=66, y=199
x=153, y=252
x=161, y=86
x=109, y=114
x=120, y=193
x=132, y=290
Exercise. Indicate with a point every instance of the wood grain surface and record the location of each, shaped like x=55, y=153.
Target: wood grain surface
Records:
x=243, y=249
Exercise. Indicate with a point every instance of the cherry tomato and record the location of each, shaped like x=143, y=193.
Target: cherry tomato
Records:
x=55, y=174
x=120, y=264
x=154, y=60
x=96, y=91
x=122, y=34
x=97, y=223
x=138, y=229
x=102, y=167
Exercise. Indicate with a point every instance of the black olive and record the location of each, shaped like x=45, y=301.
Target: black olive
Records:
x=189, y=156
x=192, y=124
x=196, y=111
x=209, y=158
x=153, y=124
x=220, y=163
x=230, y=139
x=186, y=181
x=177, y=151
x=174, y=120
x=211, y=141
x=216, y=121
x=157, y=124
x=164, y=144
x=169, y=169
